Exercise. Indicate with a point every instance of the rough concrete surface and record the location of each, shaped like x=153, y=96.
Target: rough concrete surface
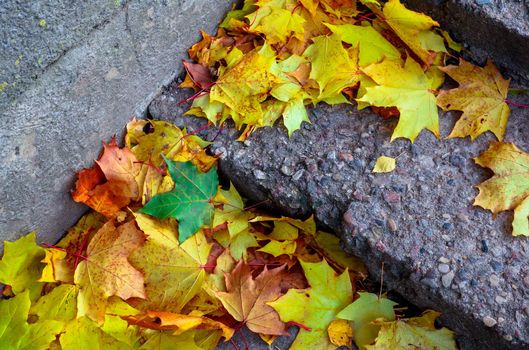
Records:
x=498, y=29
x=438, y=250
x=116, y=58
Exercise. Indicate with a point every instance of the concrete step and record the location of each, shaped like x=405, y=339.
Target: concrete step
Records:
x=498, y=29
x=418, y=222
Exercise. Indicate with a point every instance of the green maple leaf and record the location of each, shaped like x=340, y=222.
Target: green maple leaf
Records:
x=83, y=333
x=13, y=324
x=315, y=307
x=190, y=201
x=21, y=265
x=17, y=334
x=362, y=312
x=60, y=304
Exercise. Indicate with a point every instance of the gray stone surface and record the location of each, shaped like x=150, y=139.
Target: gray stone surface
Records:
x=438, y=250
x=489, y=28
x=102, y=62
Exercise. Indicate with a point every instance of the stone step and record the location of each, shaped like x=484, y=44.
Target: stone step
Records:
x=498, y=29
x=418, y=222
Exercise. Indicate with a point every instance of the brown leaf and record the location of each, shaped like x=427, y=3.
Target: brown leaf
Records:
x=199, y=74
x=247, y=297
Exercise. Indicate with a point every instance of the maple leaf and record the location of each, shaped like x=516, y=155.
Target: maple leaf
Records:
x=16, y=333
x=362, y=312
x=56, y=269
x=112, y=183
x=163, y=139
x=332, y=67
x=481, y=96
x=328, y=246
x=317, y=306
x=199, y=74
x=272, y=15
x=167, y=341
x=407, y=88
x=60, y=304
x=384, y=165
x=174, y=273
x=308, y=225
x=164, y=321
x=413, y=29
x=245, y=85
x=105, y=271
x=13, y=324
x=246, y=298
x=509, y=187
x=373, y=47
x=277, y=248
x=413, y=333
x=193, y=192
x=232, y=211
x=340, y=333
x=21, y=265
x=83, y=333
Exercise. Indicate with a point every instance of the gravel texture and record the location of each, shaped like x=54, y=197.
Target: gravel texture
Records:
x=438, y=250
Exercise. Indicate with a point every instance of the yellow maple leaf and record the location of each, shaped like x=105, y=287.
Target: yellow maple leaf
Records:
x=481, y=96
x=174, y=273
x=414, y=29
x=105, y=270
x=245, y=85
x=333, y=67
x=271, y=16
x=408, y=89
x=509, y=187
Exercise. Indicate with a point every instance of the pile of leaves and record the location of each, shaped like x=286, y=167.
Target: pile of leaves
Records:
x=168, y=259
x=272, y=58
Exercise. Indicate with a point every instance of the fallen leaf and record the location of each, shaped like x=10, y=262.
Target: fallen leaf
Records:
x=21, y=265
x=340, y=333
x=373, y=47
x=413, y=29
x=332, y=68
x=407, y=88
x=316, y=307
x=167, y=341
x=13, y=324
x=199, y=74
x=83, y=333
x=193, y=192
x=60, y=304
x=362, y=312
x=174, y=273
x=112, y=183
x=508, y=189
x=481, y=96
x=105, y=270
x=384, y=165
x=413, y=333
x=246, y=298
x=164, y=321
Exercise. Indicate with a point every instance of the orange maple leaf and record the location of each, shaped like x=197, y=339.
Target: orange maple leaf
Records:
x=112, y=183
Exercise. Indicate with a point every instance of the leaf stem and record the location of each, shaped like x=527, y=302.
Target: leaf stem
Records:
x=302, y=326
x=509, y=102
